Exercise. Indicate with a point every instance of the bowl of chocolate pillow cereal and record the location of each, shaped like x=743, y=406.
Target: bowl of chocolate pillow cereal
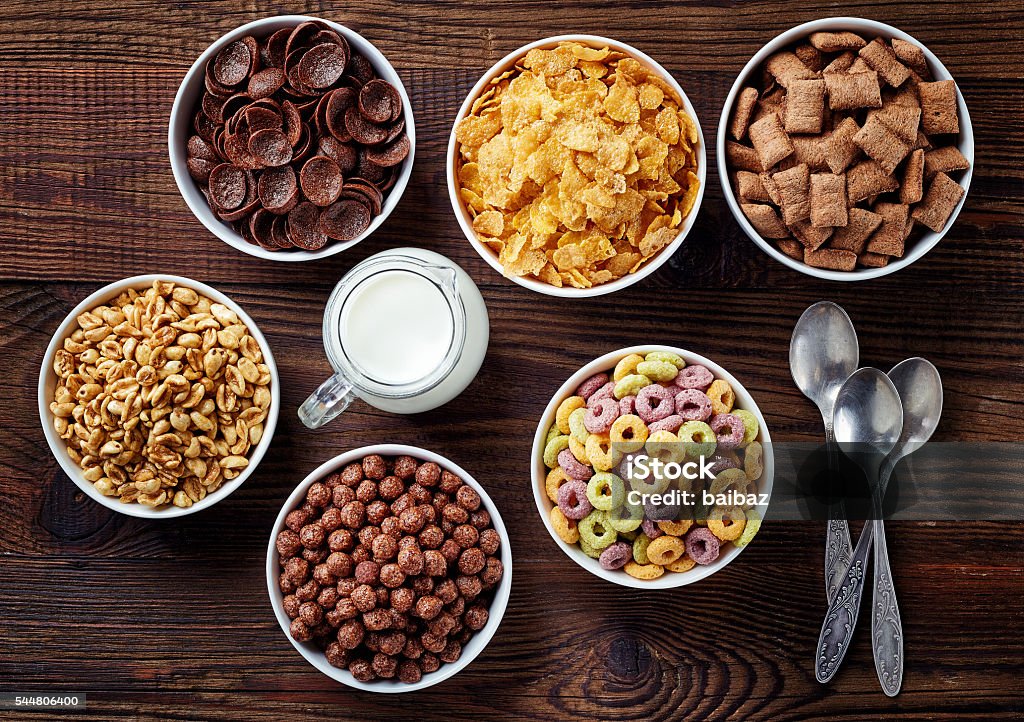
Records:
x=389, y=568
x=845, y=149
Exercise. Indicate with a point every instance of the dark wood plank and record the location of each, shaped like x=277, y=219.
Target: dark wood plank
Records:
x=172, y=619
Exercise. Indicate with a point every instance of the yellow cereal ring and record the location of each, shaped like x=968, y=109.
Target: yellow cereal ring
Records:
x=553, y=448
x=579, y=450
x=564, y=409
x=556, y=477
x=640, y=548
x=665, y=550
x=721, y=395
x=750, y=425
x=676, y=528
x=630, y=385
x=643, y=571
x=603, y=456
x=672, y=358
x=564, y=526
x=626, y=366
x=665, y=445
x=577, y=429
x=682, y=564
x=628, y=433
x=657, y=370
x=753, y=461
x=727, y=524
x=751, y=529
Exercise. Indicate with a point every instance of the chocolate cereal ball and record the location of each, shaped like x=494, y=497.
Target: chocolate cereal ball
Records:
x=318, y=494
x=472, y=561
x=449, y=482
x=351, y=633
x=428, y=607
x=343, y=495
x=392, y=576
x=364, y=597
x=402, y=599
x=312, y=535
x=384, y=547
x=390, y=488
x=288, y=543
x=409, y=672
x=374, y=467
x=337, y=656
x=405, y=467
x=431, y=537
x=291, y=606
x=311, y=613
x=341, y=540
x=353, y=514
x=428, y=474
x=352, y=474
x=468, y=498
x=411, y=561
x=435, y=564
x=480, y=519
x=361, y=670
x=300, y=631
x=384, y=665
x=466, y=536
x=366, y=491
x=492, y=571
x=489, y=541
x=296, y=519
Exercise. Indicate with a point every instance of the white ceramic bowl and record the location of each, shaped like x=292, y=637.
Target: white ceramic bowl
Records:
x=311, y=653
x=180, y=129
x=48, y=382
x=466, y=221
x=869, y=29
x=669, y=580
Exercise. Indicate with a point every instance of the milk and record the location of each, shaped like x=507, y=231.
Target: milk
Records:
x=406, y=331
x=396, y=327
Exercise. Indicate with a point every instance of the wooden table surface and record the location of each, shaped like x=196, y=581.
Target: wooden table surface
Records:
x=171, y=619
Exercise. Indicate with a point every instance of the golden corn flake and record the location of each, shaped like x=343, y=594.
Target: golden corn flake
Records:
x=577, y=166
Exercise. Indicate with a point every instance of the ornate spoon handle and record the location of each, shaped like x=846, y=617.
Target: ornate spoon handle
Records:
x=886, y=625
x=841, y=618
x=838, y=547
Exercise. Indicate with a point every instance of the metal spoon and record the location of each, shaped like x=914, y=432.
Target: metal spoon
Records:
x=920, y=389
x=822, y=354
x=868, y=423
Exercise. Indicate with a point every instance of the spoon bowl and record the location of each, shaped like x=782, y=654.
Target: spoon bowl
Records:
x=868, y=418
x=920, y=388
x=823, y=353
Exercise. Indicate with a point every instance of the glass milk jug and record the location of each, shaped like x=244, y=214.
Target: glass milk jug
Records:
x=406, y=331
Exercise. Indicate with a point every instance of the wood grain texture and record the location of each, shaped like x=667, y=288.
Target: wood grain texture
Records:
x=172, y=620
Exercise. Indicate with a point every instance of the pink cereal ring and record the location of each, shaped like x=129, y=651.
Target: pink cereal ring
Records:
x=728, y=429
x=605, y=392
x=654, y=403
x=627, y=405
x=572, y=500
x=694, y=377
x=693, y=405
x=651, y=529
x=599, y=418
x=572, y=468
x=669, y=423
x=701, y=545
x=588, y=387
x=616, y=556
x=721, y=463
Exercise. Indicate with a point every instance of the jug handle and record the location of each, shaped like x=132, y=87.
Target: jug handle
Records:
x=331, y=398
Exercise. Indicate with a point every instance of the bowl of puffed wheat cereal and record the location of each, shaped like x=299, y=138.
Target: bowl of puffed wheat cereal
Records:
x=389, y=568
x=158, y=396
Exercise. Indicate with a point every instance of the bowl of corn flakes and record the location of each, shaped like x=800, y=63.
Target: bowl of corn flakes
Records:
x=576, y=166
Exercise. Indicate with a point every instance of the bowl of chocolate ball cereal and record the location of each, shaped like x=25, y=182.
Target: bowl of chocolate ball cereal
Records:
x=389, y=568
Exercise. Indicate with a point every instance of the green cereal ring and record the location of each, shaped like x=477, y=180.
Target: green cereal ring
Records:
x=552, y=448
x=750, y=426
x=576, y=428
x=672, y=358
x=658, y=370
x=629, y=536
x=752, y=527
x=730, y=478
x=626, y=519
x=699, y=438
x=606, y=491
x=650, y=484
x=640, y=545
x=630, y=385
x=753, y=461
x=552, y=433
x=589, y=550
x=596, y=531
